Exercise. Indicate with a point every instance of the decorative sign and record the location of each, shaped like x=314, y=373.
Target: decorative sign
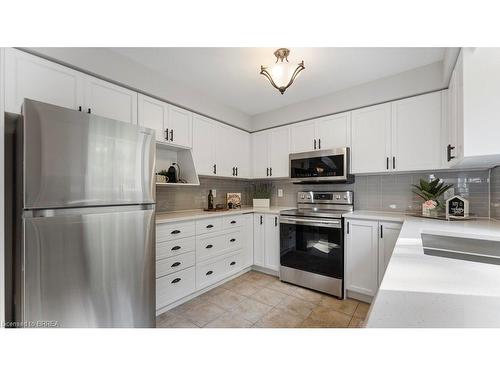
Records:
x=457, y=208
x=233, y=200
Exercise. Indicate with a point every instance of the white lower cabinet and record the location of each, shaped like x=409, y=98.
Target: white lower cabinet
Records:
x=266, y=246
x=369, y=246
x=389, y=233
x=194, y=254
x=175, y=286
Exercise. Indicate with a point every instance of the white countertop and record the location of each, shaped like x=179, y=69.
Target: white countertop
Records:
x=167, y=217
x=420, y=290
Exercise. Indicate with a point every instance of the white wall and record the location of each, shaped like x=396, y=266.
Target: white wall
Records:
x=112, y=66
x=424, y=79
x=481, y=101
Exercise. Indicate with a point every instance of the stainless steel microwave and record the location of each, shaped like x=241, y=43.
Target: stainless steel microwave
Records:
x=323, y=166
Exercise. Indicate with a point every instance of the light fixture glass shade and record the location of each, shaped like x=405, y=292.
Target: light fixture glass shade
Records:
x=282, y=74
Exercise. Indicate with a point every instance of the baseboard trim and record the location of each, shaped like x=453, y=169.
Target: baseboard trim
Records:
x=359, y=296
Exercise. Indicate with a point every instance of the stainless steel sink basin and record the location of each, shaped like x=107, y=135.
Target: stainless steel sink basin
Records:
x=483, y=251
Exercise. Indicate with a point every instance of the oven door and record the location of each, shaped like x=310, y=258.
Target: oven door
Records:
x=320, y=166
x=312, y=245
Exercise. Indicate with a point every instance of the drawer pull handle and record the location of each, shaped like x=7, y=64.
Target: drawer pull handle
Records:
x=209, y=273
x=176, y=264
x=175, y=281
x=176, y=248
x=232, y=263
x=232, y=240
x=175, y=232
x=209, y=226
x=233, y=221
x=209, y=246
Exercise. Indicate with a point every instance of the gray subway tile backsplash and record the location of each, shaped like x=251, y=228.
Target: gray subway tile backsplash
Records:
x=391, y=192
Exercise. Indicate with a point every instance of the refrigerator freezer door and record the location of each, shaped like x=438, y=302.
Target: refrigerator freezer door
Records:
x=89, y=267
x=75, y=159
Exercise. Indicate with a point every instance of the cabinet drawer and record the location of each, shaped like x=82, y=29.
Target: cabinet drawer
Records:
x=209, y=246
x=208, y=225
x=175, y=247
x=210, y=272
x=171, y=231
x=172, y=287
x=212, y=246
x=232, y=221
x=174, y=264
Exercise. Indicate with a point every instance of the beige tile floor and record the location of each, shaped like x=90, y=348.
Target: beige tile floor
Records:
x=256, y=300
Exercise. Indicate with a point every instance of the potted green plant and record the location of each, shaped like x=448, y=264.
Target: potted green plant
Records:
x=431, y=192
x=262, y=194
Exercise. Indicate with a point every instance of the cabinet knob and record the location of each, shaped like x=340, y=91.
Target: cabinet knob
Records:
x=271, y=171
x=209, y=273
x=319, y=144
x=80, y=108
x=209, y=246
x=232, y=240
x=232, y=263
x=172, y=135
x=215, y=168
x=236, y=171
x=176, y=248
x=175, y=232
x=315, y=144
x=176, y=264
x=233, y=222
x=209, y=226
x=89, y=111
x=175, y=281
x=166, y=134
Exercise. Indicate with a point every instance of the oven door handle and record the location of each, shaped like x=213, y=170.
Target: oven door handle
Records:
x=312, y=222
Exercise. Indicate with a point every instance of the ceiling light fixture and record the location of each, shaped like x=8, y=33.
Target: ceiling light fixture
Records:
x=282, y=73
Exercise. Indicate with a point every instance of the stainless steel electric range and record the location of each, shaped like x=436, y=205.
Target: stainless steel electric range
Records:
x=312, y=241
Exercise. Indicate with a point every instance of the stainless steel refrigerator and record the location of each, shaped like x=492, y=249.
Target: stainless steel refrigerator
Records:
x=83, y=222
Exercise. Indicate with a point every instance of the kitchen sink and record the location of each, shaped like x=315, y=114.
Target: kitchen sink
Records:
x=474, y=250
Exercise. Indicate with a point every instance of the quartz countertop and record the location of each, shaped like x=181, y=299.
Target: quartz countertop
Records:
x=420, y=290
x=167, y=217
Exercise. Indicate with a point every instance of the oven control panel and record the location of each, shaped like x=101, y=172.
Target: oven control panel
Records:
x=337, y=197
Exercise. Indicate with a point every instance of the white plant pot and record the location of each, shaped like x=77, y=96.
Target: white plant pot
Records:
x=262, y=203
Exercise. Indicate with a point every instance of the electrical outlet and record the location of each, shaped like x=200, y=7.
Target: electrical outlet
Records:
x=280, y=193
x=214, y=192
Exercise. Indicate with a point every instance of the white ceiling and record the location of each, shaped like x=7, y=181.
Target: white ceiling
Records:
x=231, y=75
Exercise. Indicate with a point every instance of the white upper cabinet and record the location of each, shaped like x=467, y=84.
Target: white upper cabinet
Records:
x=271, y=149
x=242, y=153
x=371, y=139
x=416, y=133
x=260, y=153
x=334, y=131
x=324, y=133
x=108, y=100
x=179, y=126
x=279, y=152
x=204, y=145
x=153, y=114
x=173, y=125
x=302, y=138
x=28, y=76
